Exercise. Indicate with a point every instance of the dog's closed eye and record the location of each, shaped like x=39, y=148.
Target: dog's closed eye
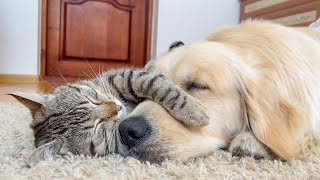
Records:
x=190, y=86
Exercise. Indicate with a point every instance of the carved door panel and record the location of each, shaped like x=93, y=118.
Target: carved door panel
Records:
x=77, y=34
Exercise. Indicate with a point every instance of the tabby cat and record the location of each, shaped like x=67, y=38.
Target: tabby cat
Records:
x=82, y=117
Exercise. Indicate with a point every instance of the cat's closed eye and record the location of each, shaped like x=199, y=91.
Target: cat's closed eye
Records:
x=94, y=101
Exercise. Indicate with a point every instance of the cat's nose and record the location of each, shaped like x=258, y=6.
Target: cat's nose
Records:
x=118, y=107
x=134, y=130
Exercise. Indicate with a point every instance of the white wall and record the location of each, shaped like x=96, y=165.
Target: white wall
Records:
x=190, y=20
x=19, y=22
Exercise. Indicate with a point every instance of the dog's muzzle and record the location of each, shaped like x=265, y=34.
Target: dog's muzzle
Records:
x=133, y=131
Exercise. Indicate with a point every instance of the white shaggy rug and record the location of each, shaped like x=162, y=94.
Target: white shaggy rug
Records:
x=16, y=142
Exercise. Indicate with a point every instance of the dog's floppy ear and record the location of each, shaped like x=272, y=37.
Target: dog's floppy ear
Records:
x=274, y=119
x=243, y=109
x=45, y=152
x=277, y=97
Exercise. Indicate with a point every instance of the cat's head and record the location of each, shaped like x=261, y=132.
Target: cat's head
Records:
x=77, y=118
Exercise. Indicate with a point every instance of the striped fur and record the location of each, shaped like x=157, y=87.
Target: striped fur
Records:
x=82, y=117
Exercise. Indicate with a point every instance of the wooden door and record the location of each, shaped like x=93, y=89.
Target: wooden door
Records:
x=77, y=34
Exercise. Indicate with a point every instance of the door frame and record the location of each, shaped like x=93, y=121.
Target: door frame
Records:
x=43, y=35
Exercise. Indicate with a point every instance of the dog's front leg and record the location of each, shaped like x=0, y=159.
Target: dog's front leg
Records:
x=246, y=144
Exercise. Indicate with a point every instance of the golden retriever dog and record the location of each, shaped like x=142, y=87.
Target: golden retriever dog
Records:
x=260, y=85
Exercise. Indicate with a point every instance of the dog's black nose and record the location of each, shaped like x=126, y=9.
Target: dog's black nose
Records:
x=133, y=130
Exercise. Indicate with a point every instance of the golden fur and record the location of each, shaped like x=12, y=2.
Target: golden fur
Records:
x=262, y=78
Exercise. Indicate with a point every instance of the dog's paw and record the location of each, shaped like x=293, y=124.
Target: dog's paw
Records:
x=246, y=144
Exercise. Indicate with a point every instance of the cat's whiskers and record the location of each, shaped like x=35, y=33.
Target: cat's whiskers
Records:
x=88, y=77
x=102, y=84
x=46, y=82
x=109, y=91
x=110, y=135
x=94, y=73
x=64, y=79
x=106, y=89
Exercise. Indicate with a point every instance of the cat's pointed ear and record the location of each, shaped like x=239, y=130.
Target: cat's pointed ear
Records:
x=45, y=152
x=33, y=101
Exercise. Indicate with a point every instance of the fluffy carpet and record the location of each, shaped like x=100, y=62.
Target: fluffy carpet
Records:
x=16, y=142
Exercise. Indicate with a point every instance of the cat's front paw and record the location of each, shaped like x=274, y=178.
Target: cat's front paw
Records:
x=246, y=144
x=194, y=114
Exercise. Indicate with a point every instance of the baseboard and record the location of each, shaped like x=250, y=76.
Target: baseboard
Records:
x=18, y=78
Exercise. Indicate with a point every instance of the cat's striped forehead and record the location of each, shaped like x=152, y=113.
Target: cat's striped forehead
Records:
x=76, y=92
x=74, y=88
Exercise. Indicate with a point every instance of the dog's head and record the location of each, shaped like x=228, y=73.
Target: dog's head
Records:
x=205, y=71
x=258, y=75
